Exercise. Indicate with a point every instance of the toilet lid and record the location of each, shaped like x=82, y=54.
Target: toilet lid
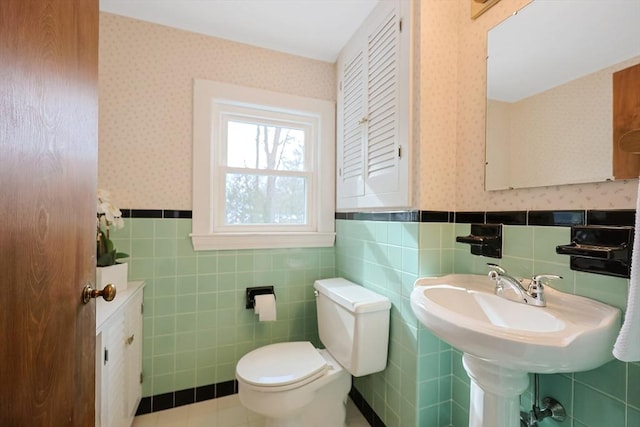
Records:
x=282, y=364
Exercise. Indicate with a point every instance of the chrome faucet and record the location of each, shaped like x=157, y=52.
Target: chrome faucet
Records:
x=531, y=295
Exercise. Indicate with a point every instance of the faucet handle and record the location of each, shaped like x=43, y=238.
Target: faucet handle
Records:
x=537, y=279
x=497, y=268
x=536, y=287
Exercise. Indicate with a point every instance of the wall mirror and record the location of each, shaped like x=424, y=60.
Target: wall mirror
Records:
x=549, y=91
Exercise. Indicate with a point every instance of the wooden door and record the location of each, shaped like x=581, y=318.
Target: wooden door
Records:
x=48, y=168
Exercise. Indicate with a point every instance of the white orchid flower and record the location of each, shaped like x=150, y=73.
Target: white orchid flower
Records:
x=118, y=222
x=108, y=214
x=103, y=196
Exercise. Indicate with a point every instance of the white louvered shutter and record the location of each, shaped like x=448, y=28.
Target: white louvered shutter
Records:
x=382, y=148
x=351, y=151
x=374, y=112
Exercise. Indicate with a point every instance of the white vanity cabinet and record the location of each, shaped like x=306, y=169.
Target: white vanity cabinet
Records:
x=119, y=357
x=373, y=112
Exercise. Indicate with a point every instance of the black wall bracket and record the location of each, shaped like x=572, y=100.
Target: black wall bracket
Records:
x=600, y=249
x=485, y=240
x=258, y=290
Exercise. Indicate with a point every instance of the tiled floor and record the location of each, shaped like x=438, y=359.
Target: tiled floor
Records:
x=222, y=412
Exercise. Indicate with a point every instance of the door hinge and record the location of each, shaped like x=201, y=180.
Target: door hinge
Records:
x=106, y=355
x=142, y=308
x=141, y=377
x=400, y=151
x=340, y=86
x=400, y=24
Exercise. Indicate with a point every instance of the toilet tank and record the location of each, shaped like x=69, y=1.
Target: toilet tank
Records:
x=353, y=323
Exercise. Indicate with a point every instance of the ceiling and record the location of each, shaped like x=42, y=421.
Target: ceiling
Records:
x=315, y=29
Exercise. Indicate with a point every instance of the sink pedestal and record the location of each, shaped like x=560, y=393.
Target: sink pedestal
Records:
x=495, y=393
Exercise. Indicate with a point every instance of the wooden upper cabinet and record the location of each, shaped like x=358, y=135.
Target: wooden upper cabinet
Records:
x=626, y=118
x=373, y=142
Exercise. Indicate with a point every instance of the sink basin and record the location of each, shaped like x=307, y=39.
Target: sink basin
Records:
x=570, y=334
x=503, y=340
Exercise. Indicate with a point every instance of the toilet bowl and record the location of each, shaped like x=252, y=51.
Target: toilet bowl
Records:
x=294, y=384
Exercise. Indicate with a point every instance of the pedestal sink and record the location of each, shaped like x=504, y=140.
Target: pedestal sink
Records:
x=503, y=341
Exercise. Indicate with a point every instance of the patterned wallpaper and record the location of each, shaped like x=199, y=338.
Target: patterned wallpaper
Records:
x=471, y=77
x=146, y=73
x=145, y=81
x=438, y=105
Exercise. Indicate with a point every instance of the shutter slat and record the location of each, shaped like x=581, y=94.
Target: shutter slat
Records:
x=353, y=97
x=381, y=93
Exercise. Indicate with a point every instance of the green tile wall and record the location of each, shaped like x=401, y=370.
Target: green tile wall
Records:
x=387, y=257
x=607, y=396
x=195, y=324
x=425, y=383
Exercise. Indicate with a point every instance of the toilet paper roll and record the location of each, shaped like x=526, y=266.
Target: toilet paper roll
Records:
x=265, y=307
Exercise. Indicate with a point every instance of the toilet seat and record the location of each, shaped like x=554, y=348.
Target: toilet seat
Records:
x=281, y=366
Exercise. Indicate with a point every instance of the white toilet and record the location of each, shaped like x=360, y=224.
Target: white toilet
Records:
x=293, y=384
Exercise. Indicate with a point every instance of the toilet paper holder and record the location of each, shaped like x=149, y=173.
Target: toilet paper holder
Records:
x=258, y=290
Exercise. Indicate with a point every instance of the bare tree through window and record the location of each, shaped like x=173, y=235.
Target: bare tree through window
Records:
x=263, y=183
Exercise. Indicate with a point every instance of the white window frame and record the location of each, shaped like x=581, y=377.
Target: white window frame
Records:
x=213, y=102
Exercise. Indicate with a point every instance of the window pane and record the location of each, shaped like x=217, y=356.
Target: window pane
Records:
x=260, y=199
x=260, y=146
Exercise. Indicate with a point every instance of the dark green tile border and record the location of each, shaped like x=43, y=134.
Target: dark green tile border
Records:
x=146, y=213
x=618, y=217
x=155, y=213
x=160, y=402
x=470, y=217
x=562, y=218
x=365, y=409
x=558, y=218
x=436, y=216
x=507, y=217
x=402, y=216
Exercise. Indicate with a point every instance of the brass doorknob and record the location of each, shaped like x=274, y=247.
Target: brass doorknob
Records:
x=108, y=293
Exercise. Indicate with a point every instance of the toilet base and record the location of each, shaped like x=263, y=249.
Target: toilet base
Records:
x=329, y=408
x=322, y=403
x=276, y=422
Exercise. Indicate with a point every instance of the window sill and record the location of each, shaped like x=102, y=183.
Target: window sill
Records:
x=205, y=242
